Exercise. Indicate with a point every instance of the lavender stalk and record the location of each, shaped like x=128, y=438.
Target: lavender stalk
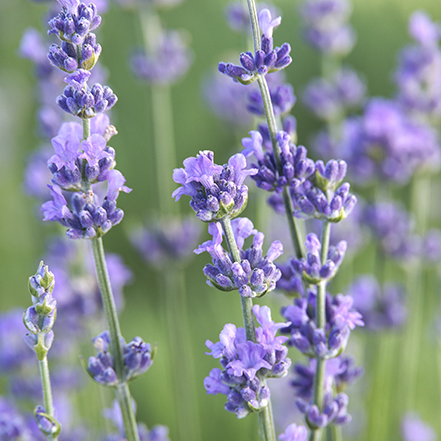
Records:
x=319, y=378
x=39, y=320
x=297, y=241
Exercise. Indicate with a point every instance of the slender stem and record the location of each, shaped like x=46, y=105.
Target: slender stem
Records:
x=246, y=302
x=125, y=403
x=335, y=433
x=181, y=353
x=47, y=391
x=320, y=316
x=254, y=24
x=86, y=128
x=110, y=312
x=265, y=417
x=417, y=295
x=294, y=229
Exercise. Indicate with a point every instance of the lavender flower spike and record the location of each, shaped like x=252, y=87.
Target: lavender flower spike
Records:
x=216, y=191
x=40, y=317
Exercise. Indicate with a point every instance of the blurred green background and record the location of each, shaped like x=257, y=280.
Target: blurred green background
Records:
x=382, y=30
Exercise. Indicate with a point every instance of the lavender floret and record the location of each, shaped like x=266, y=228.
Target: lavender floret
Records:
x=311, y=268
x=294, y=163
x=216, y=191
x=255, y=275
x=264, y=60
x=243, y=360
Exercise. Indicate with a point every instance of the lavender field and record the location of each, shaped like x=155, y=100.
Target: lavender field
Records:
x=236, y=202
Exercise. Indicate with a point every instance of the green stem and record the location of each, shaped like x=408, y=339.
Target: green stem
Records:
x=265, y=417
x=294, y=229
x=181, y=354
x=417, y=295
x=320, y=316
x=254, y=24
x=272, y=127
x=86, y=128
x=123, y=392
x=335, y=433
x=47, y=391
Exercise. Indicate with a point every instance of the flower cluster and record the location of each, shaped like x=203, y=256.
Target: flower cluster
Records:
x=245, y=364
x=40, y=317
x=77, y=56
x=393, y=227
x=326, y=26
x=255, y=275
x=265, y=60
x=138, y=358
x=311, y=268
x=419, y=71
x=216, y=191
x=77, y=165
x=295, y=166
x=381, y=307
x=340, y=372
x=168, y=63
x=341, y=318
x=385, y=143
x=329, y=98
x=167, y=241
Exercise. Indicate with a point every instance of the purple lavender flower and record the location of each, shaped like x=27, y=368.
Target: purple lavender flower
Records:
x=419, y=69
x=265, y=60
x=414, y=429
x=243, y=361
x=385, y=143
x=311, y=268
x=88, y=217
x=86, y=102
x=329, y=99
x=294, y=433
x=169, y=62
x=215, y=191
x=326, y=26
x=227, y=99
x=294, y=163
x=138, y=358
x=341, y=318
x=310, y=201
x=14, y=352
x=255, y=275
x=334, y=411
x=167, y=241
x=13, y=426
x=392, y=226
x=381, y=307
x=339, y=372
x=75, y=21
x=290, y=282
